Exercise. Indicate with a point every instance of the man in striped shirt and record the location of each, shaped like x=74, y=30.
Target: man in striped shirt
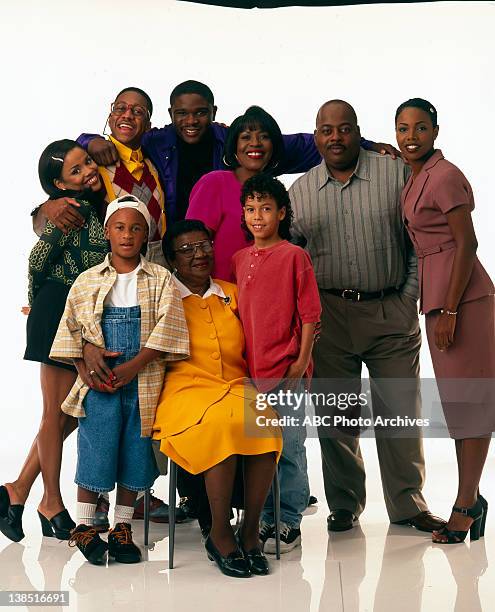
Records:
x=347, y=210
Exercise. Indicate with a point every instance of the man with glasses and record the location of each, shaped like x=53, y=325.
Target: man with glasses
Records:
x=131, y=173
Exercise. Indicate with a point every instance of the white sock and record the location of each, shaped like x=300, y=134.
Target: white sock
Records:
x=139, y=495
x=122, y=514
x=85, y=513
x=105, y=495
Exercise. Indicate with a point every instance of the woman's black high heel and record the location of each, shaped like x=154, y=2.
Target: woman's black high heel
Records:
x=484, y=503
x=457, y=536
x=58, y=526
x=10, y=517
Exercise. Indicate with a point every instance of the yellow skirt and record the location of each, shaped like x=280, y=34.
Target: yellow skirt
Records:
x=227, y=428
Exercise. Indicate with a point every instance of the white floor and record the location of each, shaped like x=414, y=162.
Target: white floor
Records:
x=373, y=567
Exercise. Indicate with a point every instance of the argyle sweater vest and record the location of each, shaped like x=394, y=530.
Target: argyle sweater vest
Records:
x=119, y=182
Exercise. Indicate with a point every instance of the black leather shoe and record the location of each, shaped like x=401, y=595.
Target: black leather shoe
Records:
x=234, y=564
x=340, y=520
x=10, y=517
x=58, y=526
x=159, y=512
x=258, y=563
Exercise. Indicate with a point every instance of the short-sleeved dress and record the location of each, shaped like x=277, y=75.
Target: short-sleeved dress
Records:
x=216, y=200
x=55, y=262
x=465, y=372
x=206, y=410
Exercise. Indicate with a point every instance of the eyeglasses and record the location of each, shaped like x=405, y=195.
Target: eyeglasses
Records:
x=188, y=250
x=119, y=108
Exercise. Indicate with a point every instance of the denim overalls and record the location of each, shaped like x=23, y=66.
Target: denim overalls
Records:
x=109, y=445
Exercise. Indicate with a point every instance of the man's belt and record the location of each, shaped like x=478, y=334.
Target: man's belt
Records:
x=354, y=295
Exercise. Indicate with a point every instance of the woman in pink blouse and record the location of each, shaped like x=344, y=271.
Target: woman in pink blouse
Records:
x=457, y=297
x=254, y=144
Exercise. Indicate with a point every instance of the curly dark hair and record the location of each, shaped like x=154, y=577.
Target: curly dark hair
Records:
x=255, y=118
x=268, y=186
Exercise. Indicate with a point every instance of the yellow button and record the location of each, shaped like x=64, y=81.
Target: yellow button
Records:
x=208, y=320
x=226, y=387
x=215, y=355
x=203, y=305
x=212, y=336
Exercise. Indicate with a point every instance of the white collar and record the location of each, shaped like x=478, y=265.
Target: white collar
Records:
x=214, y=289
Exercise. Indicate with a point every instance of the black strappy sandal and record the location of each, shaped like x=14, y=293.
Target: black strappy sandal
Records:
x=478, y=515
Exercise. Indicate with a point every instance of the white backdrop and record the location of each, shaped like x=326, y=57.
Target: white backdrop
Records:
x=63, y=62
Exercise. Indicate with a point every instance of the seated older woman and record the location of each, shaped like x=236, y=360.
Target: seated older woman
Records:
x=206, y=404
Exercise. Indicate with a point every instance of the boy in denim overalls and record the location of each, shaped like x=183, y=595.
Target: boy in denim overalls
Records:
x=130, y=306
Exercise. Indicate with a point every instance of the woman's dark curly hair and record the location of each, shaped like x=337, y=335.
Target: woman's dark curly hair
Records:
x=255, y=118
x=268, y=186
x=176, y=230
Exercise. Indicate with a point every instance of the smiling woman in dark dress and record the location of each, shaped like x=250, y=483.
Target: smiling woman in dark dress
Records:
x=54, y=263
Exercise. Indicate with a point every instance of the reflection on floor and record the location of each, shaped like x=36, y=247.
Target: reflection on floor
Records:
x=375, y=566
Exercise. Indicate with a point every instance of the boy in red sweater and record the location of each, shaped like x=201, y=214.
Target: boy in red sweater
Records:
x=279, y=307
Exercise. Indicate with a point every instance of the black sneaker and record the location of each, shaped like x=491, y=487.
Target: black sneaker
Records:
x=188, y=507
x=290, y=537
x=90, y=544
x=120, y=544
x=266, y=531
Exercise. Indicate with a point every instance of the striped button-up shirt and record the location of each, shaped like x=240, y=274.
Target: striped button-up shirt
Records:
x=354, y=230
x=163, y=328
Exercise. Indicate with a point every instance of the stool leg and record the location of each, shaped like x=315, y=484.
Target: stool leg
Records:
x=276, y=511
x=147, y=499
x=171, y=513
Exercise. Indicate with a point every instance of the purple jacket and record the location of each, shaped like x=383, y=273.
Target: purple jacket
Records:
x=160, y=146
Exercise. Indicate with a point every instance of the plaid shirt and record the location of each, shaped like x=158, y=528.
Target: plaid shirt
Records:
x=163, y=328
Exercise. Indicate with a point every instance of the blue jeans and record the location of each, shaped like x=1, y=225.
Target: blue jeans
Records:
x=292, y=473
x=109, y=445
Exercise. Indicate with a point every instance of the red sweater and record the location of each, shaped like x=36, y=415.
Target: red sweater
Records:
x=277, y=295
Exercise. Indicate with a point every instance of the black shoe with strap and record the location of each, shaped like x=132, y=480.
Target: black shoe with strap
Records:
x=59, y=526
x=120, y=544
x=234, y=564
x=258, y=563
x=90, y=544
x=484, y=503
x=454, y=536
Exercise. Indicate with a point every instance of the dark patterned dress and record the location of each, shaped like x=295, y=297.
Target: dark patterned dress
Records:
x=55, y=262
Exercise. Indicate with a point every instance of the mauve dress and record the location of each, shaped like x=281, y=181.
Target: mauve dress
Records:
x=465, y=372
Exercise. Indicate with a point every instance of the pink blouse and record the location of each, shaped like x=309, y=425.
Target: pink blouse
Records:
x=216, y=200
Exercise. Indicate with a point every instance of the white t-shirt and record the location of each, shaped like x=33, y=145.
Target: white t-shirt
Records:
x=123, y=294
